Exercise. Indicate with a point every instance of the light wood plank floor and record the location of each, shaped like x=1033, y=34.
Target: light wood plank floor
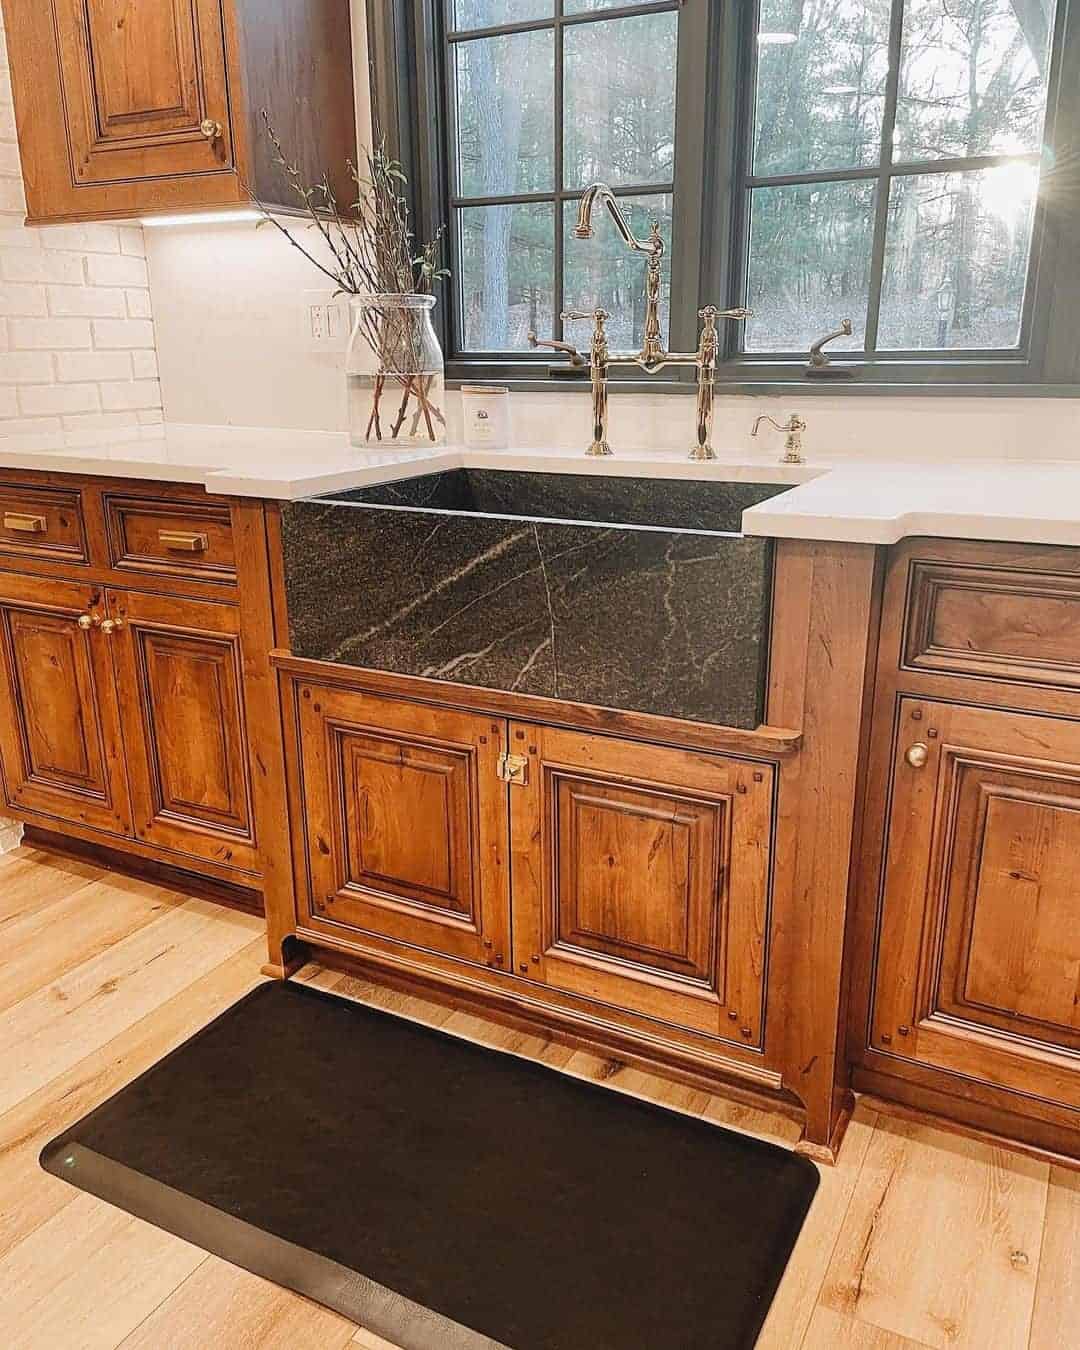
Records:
x=917, y=1238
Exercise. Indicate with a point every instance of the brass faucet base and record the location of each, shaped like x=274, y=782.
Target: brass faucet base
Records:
x=599, y=449
x=702, y=453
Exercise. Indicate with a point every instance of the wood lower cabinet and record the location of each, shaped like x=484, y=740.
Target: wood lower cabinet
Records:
x=137, y=709
x=179, y=674
x=60, y=739
x=966, y=952
x=978, y=968
x=641, y=877
x=625, y=876
x=405, y=823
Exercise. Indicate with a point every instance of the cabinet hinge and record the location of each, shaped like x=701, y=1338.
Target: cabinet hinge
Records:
x=514, y=769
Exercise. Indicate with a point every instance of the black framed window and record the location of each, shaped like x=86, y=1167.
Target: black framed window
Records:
x=542, y=97
x=911, y=164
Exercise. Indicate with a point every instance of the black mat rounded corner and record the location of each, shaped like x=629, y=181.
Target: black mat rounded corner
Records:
x=444, y=1194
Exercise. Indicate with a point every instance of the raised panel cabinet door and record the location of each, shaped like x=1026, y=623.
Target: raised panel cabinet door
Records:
x=145, y=88
x=641, y=877
x=978, y=939
x=179, y=671
x=59, y=725
x=405, y=820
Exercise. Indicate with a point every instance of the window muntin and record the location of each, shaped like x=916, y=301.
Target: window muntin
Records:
x=927, y=248
x=544, y=97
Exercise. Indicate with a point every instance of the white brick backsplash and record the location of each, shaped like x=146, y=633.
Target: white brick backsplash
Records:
x=129, y=333
x=11, y=194
x=132, y=395
x=41, y=400
x=88, y=238
x=16, y=235
x=77, y=347
x=24, y=300
x=106, y=269
x=144, y=365
x=26, y=368
x=103, y=421
x=90, y=302
x=90, y=367
x=30, y=426
x=64, y=269
x=49, y=334
x=132, y=241
x=138, y=304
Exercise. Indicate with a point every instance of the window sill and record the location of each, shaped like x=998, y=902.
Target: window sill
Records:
x=775, y=388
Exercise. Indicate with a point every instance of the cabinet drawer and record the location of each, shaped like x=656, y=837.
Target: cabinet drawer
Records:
x=180, y=539
x=1001, y=623
x=42, y=523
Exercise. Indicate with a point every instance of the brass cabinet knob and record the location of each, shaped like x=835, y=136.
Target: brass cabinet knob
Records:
x=109, y=626
x=85, y=622
x=211, y=129
x=917, y=755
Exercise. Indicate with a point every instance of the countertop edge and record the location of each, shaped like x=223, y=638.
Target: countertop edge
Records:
x=839, y=500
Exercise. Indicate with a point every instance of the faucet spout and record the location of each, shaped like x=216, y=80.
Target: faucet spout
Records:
x=652, y=346
x=584, y=228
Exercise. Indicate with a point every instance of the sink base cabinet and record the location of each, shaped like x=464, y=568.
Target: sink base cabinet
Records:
x=406, y=824
x=641, y=879
x=668, y=892
x=627, y=881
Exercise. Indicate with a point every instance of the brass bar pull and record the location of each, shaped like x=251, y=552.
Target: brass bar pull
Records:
x=183, y=541
x=25, y=524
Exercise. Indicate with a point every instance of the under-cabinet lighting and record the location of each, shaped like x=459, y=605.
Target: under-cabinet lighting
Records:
x=777, y=39
x=204, y=218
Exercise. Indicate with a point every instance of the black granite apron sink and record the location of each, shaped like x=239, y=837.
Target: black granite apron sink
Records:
x=624, y=592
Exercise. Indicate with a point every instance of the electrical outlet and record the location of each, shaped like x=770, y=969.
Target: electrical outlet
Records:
x=324, y=321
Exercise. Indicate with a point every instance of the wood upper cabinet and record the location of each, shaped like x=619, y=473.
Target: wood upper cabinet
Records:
x=180, y=679
x=978, y=939
x=406, y=823
x=60, y=741
x=641, y=877
x=127, y=107
x=145, y=87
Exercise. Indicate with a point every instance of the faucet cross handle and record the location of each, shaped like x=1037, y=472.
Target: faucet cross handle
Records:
x=599, y=316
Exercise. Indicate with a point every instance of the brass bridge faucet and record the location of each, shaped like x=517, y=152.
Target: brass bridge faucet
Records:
x=652, y=357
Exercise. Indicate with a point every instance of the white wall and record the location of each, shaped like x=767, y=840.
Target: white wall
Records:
x=76, y=323
x=229, y=302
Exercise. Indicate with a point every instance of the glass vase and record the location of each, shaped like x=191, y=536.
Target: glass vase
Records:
x=394, y=371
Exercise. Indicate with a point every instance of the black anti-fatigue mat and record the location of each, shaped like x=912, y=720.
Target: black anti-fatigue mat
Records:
x=445, y=1195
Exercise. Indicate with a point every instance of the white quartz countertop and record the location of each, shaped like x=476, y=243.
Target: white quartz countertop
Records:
x=860, y=500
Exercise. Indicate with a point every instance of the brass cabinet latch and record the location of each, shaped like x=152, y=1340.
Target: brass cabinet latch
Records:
x=514, y=769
